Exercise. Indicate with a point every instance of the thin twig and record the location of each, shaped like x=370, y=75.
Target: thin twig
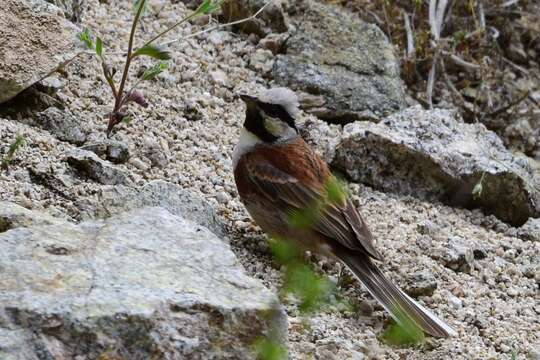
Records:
x=436, y=20
x=431, y=81
x=252, y=17
x=191, y=16
x=516, y=66
x=463, y=63
x=410, y=39
x=510, y=105
x=481, y=15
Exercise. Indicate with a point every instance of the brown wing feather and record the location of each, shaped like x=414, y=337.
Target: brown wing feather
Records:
x=299, y=185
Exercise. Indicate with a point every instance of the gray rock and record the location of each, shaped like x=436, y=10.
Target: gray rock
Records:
x=90, y=165
x=524, y=135
x=349, y=62
x=456, y=255
x=112, y=150
x=262, y=61
x=323, y=137
x=219, y=77
x=421, y=283
x=272, y=19
x=54, y=176
x=456, y=302
x=73, y=9
x=431, y=155
x=142, y=285
x=530, y=230
x=273, y=42
x=13, y=216
x=157, y=157
x=62, y=124
x=172, y=197
x=24, y=62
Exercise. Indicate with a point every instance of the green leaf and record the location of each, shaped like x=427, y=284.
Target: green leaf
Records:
x=153, y=51
x=335, y=191
x=13, y=147
x=208, y=6
x=86, y=38
x=99, y=46
x=155, y=70
x=284, y=251
x=478, y=188
x=310, y=288
x=127, y=119
x=305, y=218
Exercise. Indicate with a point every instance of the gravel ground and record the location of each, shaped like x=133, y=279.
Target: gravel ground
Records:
x=187, y=135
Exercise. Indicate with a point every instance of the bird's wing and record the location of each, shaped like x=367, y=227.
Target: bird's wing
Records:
x=304, y=192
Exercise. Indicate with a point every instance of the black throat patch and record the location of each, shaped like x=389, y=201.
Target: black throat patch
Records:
x=255, y=120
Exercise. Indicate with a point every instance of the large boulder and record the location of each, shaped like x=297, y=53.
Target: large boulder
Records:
x=35, y=40
x=142, y=285
x=347, y=61
x=430, y=154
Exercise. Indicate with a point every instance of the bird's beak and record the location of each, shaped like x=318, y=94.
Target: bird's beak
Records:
x=248, y=99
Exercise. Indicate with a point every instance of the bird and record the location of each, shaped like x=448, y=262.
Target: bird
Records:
x=277, y=175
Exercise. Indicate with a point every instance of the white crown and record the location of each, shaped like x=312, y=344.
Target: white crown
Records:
x=281, y=96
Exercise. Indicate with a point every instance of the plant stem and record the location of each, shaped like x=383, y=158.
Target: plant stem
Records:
x=119, y=95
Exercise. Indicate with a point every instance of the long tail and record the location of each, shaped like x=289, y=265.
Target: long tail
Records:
x=395, y=301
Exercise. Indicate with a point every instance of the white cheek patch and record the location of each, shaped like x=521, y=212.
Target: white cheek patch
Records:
x=278, y=128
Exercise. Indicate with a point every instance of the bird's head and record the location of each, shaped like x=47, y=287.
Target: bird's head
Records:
x=271, y=115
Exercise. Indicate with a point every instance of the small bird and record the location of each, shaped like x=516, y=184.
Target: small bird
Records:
x=278, y=174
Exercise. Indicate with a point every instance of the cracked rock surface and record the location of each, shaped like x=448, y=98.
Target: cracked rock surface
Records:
x=139, y=285
x=53, y=43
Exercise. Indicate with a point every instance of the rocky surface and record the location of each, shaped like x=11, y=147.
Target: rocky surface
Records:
x=112, y=150
x=24, y=62
x=64, y=125
x=431, y=154
x=272, y=18
x=194, y=122
x=349, y=62
x=530, y=230
x=158, y=193
x=89, y=165
x=73, y=9
x=139, y=285
x=13, y=216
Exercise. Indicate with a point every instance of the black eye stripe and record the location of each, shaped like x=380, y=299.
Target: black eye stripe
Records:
x=277, y=111
x=254, y=124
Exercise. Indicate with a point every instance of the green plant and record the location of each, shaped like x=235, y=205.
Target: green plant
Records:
x=478, y=188
x=15, y=145
x=313, y=291
x=270, y=349
x=405, y=333
x=123, y=97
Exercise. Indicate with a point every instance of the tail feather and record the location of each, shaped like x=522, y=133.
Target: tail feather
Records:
x=394, y=300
